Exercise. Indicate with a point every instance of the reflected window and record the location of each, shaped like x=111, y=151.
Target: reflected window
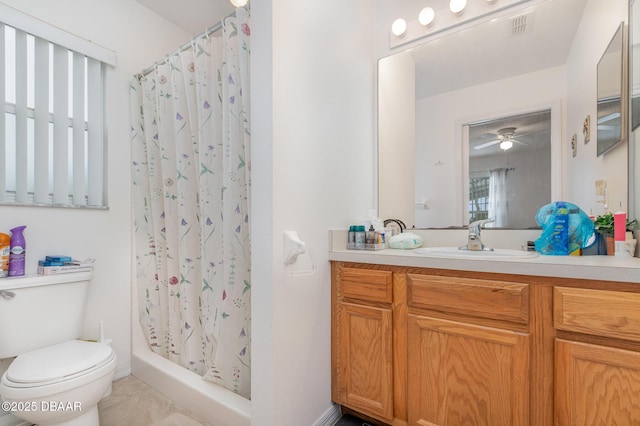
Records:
x=478, y=198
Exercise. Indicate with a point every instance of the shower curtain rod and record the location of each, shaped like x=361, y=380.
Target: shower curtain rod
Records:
x=214, y=28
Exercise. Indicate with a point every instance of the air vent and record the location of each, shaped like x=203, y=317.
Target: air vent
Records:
x=521, y=24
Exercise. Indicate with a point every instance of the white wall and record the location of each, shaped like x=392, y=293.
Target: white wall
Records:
x=139, y=37
x=396, y=126
x=598, y=25
x=313, y=153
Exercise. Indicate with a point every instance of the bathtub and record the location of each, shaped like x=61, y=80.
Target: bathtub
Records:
x=211, y=403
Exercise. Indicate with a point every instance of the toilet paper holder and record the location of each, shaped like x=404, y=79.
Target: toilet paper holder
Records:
x=297, y=257
x=293, y=247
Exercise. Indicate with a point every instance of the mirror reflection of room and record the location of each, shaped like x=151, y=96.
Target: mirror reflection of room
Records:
x=503, y=154
x=431, y=88
x=610, y=100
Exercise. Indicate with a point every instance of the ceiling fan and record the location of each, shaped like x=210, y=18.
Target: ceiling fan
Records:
x=505, y=139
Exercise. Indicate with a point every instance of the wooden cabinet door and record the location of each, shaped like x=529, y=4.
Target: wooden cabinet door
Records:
x=596, y=385
x=463, y=374
x=364, y=360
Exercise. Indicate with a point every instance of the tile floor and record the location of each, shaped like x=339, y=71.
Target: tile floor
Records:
x=134, y=403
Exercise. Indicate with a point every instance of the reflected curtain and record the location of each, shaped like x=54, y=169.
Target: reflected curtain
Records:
x=498, y=205
x=190, y=148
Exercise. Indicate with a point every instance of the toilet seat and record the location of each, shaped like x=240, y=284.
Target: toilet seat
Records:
x=57, y=363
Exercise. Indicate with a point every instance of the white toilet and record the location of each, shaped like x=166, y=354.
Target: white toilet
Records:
x=54, y=379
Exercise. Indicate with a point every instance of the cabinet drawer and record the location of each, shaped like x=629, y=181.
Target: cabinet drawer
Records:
x=598, y=312
x=367, y=284
x=480, y=298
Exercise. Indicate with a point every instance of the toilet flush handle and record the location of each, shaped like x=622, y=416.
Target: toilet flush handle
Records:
x=7, y=294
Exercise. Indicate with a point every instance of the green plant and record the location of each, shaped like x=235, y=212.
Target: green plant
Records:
x=604, y=224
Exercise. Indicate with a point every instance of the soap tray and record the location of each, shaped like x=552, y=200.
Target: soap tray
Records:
x=371, y=247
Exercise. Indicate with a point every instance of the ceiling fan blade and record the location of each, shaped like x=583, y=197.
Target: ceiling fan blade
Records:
x=487, y=144
x=607, y=127
x=519, y=142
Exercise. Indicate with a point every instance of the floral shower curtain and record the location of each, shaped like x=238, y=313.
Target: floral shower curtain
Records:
x=190, y=147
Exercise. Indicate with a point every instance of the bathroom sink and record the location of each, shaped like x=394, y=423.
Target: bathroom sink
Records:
x=454, y=252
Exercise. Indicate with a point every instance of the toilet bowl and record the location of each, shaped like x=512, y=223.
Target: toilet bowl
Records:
x=59, y=384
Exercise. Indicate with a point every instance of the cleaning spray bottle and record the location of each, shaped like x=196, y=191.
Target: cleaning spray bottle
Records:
x=18, y=252
x=5, y=250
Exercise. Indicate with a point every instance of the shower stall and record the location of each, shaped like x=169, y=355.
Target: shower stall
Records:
x=190, y=138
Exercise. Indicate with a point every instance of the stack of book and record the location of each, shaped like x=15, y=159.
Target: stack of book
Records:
x=63, y=265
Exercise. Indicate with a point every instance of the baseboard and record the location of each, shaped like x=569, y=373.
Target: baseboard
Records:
x=330, y=416
x=123, y=370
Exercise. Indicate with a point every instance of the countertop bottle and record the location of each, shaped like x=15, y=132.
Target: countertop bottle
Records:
x=360, y=237
x=5, y=250
x=370, y=236
x=351, y=242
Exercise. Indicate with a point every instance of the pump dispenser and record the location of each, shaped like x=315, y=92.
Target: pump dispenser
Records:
x=18, y=252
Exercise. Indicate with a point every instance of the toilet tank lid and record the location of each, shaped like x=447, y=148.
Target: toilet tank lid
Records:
x=57, y=362
x=15, y=283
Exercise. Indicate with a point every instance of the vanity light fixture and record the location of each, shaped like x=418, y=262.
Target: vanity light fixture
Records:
x=398, y=27
x=506, y=144
x=426, y=16
x=457, y=6
x=239, y=3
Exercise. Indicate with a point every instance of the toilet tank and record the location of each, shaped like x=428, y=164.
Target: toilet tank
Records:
x=41, y=310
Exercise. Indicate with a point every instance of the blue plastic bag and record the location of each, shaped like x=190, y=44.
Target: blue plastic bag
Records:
x=565, y=229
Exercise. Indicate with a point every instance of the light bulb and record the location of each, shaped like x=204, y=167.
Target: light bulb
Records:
x=426, y=16
x=239, y=3
x=505, y=145
x=398, y=27
x=457, y=6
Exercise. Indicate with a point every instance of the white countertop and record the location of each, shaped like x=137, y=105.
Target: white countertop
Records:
x=608, y=268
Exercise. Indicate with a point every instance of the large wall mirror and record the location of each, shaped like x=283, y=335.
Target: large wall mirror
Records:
x=611, y=124
x=528, y=77
x=634, y=80
x=634, y=90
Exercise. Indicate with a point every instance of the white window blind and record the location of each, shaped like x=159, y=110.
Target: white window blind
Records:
x=52, y=126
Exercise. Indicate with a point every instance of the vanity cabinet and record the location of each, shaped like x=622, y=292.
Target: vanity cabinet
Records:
x=427, y=346
x=362, y=360
x=464, y=371
x=466, y=374
x=597, y=356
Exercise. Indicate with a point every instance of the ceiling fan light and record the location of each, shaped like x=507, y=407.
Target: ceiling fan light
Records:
x=505, y=145
x=426, y=16
x=398, y=27
x=457, y=6
x=239, y=3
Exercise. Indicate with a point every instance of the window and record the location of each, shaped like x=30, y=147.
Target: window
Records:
x=52, y=137
x=478, y=198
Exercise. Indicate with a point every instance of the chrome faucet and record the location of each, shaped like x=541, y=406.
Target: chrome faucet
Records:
x=474, y=242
